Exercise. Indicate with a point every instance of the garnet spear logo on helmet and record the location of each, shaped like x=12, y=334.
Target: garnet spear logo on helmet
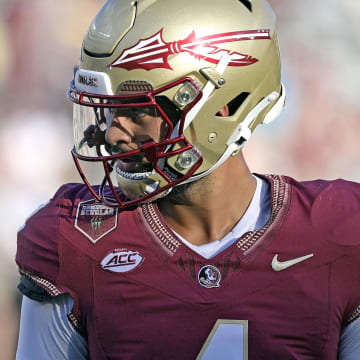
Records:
x=153, y=52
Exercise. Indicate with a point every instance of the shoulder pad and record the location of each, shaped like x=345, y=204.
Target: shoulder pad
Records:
x=333, y=206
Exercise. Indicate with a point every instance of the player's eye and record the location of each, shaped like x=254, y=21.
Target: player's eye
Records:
x=136, y=114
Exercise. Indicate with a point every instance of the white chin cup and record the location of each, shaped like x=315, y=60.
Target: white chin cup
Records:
x=134, y=188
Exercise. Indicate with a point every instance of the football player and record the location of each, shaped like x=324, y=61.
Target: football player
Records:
x=178, y=251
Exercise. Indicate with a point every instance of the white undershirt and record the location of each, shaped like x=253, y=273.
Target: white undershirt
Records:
x=45, y=332
x=255, y=217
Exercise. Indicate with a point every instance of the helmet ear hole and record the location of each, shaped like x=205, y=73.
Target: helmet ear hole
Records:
x=235, y=104
x=224, y=111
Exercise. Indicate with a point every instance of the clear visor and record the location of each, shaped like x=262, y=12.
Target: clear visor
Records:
x=99, y=127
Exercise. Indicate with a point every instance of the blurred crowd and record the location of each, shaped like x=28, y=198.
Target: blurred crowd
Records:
x=316, y=136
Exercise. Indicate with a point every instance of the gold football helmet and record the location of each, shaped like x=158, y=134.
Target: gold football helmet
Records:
x=181, y=62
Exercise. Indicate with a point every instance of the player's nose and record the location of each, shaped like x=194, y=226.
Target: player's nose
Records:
x=119, y=131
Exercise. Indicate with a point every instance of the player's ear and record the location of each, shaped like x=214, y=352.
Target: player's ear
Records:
x=224, y=111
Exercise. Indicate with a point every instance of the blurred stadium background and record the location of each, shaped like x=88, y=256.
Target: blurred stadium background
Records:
x=316, y=136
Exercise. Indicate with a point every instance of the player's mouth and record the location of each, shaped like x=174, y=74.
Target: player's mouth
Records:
x=133, y=169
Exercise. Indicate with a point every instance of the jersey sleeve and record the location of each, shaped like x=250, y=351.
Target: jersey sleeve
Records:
x=37, y=246
x=33, y=291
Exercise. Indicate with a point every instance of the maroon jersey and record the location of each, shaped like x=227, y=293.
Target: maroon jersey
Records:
x=139, y=293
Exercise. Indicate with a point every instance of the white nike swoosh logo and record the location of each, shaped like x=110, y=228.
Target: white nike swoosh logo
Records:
x=282, y=265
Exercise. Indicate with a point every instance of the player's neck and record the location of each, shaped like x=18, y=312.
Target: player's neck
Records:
x=211, y=207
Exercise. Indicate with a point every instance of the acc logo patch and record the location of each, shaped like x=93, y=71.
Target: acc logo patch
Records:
x=209, y=276
x=95, y=220
x=122, y=260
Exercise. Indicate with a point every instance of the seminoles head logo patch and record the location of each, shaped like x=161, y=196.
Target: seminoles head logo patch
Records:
x=122, y=260
x=95, y=220
x=153, y=52
x=209, y=276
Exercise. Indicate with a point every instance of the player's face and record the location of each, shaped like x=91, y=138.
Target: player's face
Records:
x=131, y=127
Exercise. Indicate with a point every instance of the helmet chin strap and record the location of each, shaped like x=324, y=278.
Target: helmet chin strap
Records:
x=242, y=133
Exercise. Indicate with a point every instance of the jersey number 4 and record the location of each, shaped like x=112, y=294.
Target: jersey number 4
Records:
x=228, y=340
